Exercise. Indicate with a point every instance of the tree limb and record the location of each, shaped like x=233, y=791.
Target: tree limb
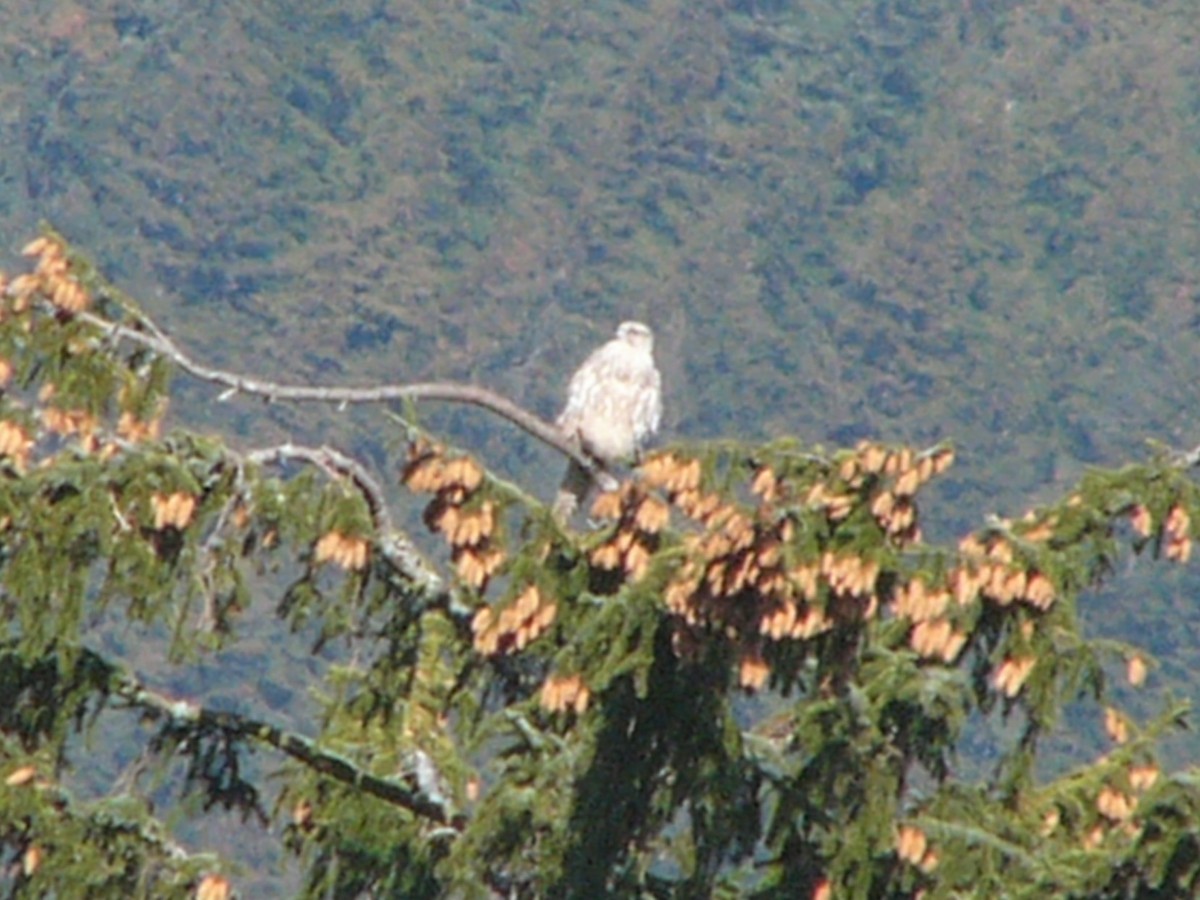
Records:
x=190, y=716
x=396, y=547
x=151, y=337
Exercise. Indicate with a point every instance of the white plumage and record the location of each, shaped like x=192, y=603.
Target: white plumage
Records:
x=614, y=403
x=614, y=400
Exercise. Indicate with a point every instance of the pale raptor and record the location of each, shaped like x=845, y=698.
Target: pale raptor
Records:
x=614, y=404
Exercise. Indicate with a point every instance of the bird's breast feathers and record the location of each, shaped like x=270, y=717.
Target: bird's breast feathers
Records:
x=614, y=401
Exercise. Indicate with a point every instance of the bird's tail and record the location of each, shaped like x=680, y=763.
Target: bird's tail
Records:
x=576, y=484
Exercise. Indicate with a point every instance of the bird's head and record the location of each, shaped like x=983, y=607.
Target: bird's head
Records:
x=636, y=335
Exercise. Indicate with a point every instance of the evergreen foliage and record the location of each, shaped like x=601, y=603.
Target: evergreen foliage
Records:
x=753, y=678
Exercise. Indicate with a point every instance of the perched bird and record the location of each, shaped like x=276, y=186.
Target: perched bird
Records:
x=614, y=403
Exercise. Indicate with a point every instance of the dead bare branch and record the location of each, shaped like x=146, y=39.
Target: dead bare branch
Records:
x=147, y=334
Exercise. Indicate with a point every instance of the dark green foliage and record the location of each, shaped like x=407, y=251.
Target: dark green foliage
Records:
x=754, y=677
x=113, y=847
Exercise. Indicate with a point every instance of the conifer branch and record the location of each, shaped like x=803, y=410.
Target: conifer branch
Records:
x=337, y=465
x=108, y=817
x=189, y=716
x=395, y=546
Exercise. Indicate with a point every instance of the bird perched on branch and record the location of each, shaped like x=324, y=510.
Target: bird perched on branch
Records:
x=614, y=404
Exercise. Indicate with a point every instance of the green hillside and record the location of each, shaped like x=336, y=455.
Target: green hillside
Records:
x=846, y=220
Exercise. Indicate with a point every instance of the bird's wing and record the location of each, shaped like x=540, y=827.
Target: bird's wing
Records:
x=648, y=412
x=581, y=389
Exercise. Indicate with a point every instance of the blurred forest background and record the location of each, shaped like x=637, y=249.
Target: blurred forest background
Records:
x=908, y=220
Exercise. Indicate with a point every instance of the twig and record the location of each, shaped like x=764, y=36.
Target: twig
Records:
x=336, y=464
x=1188, y=460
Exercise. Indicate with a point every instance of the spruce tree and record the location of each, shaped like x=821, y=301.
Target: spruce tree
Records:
x=749, y=675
